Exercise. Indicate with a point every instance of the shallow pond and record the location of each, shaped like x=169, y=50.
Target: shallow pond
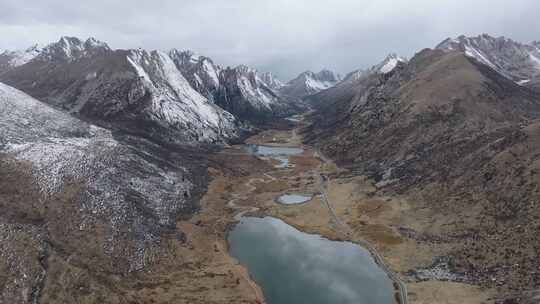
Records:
x=263, y=150
x=279, y=153
x=292, y=199
x=295, y=267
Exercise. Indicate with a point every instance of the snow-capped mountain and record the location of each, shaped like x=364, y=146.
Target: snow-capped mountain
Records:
x=200, y=71
x=388, y=64
x=384, y=67
x=134, y=90
x=356, y=81
x=72, y=48
x=308, y=83
x=241, y=90
x=174, y=103
x=247, y=96
x=66, y=49
x=174, y=97
x=11, y=59
x=517, y=61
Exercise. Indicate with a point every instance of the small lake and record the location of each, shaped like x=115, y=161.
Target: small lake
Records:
x=293, y=267
x=292, y=199
x=295, y=118
x=263, y=150
x=279, y=153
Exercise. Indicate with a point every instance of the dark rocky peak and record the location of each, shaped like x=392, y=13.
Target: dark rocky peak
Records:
x=188, y=58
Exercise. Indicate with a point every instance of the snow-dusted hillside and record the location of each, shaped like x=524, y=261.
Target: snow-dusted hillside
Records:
x=134, y=194
x=247, y=96
x=388, y=64
x=175, y=103
x=12, y=59
x=517, y=61
x=200, y=71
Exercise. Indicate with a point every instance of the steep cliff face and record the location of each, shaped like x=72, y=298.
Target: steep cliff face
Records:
x=245, y=94
x=458, y=138
x=76, y=198
x=201, y=72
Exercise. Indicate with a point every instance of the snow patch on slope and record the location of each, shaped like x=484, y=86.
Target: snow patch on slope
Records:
x=20, y=57
x=511, y=59
x=388, y=64
x=175, y=102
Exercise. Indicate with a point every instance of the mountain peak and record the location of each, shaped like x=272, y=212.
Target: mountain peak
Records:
x=71, y=48
x=11, y=59
x=188, y=57
x=244, y=69
x=308, y=83
x=388, y=64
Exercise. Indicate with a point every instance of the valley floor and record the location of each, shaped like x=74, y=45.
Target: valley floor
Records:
x=353, y=211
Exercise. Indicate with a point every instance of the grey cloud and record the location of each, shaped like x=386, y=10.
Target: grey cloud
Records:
x=282, y=36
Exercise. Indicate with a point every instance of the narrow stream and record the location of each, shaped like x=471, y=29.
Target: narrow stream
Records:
x=294, y=267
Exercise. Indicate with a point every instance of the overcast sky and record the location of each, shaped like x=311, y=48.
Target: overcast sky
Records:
x=282, y=36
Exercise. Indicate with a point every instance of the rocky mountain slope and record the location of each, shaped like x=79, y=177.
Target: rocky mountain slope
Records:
x=308, y=83
x=243, y=91
x=82, y=207
x=517, y=61
x=170, y=97
x=246, y=95
x=356, y=81
x=460, y=141
x=12, y=59
x=200, y=71
x=132, y=90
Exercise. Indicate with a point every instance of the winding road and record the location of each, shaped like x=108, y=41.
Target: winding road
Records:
x=345, y=229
